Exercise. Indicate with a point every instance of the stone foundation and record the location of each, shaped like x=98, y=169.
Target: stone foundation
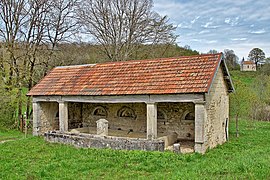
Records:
x=100, y=142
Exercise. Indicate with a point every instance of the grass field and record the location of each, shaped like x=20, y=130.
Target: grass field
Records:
x=247, y=157
x=243, y=83
x=246, y=77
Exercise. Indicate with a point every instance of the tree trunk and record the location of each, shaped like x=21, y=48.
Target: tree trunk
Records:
x=20, y=119
x=236, y=125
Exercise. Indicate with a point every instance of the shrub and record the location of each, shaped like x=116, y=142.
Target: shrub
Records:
x=7, y=108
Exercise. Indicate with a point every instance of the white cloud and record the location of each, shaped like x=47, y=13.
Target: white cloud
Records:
x=232, y=21
x=211, y=42
x=204, y=41
x=185, y=25
x=194, y=20
x=227, y=20
x=260, y=31
x=209, y=25
x=238, y=39
x=204, y=32
x=196, y=40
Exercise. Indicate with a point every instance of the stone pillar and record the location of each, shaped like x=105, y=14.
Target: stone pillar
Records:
x=151, y=120
x=63, y=116
x=176, y=148
x=102, y=127
x=36, y=118
x=200, y=120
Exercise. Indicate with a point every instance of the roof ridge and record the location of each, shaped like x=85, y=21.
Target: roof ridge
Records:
x=77, y=65
x=155, y=59
x=138, y=60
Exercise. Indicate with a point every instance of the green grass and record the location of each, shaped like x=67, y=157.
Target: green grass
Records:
x=246, y=157
x=240, y=100
x=9, y=134
x=245, y=77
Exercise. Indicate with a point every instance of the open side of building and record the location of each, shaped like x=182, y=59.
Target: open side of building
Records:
x=158, y=101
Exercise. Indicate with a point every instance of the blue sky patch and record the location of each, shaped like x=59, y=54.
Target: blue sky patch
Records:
x=218, y=24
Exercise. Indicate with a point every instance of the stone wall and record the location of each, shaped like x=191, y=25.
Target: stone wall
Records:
x=248, y=67
x=175, y=121
x=132, y=116
x=126, y=117
x=217, y=107
x=95, y=141
x=48, y=117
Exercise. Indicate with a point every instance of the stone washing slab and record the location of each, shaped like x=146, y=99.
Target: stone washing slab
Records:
x=101, y=142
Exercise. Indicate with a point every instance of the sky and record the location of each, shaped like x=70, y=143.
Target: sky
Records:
x=240, y=25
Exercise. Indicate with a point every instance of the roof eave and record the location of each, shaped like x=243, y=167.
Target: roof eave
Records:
x=227, y=76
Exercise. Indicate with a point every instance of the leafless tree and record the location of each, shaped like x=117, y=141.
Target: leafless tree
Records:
x=230, y=58
x=119, y=26
x=29, y=32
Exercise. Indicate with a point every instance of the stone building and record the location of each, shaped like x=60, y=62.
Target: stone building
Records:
x=248, y=66
x=186, y=97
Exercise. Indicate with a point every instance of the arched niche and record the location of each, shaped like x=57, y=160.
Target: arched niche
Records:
x=99, y=111
x=188, y=116
x=126, y=112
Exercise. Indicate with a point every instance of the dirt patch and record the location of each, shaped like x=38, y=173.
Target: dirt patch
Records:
x=7, y=140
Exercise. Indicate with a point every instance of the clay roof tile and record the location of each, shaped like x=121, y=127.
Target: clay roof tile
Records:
x=188, y=74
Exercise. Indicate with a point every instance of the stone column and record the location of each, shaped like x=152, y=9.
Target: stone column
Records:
x=102, y=127
x=63, y=116
x=200, y=120
x=36, y=118
x=151, y=120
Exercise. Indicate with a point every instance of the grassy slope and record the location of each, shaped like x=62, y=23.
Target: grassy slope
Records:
x=242, y=79
x=33, y=158
x=245, y=77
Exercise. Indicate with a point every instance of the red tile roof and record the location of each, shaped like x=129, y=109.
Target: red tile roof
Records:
x=248, y=62
x=189, y=74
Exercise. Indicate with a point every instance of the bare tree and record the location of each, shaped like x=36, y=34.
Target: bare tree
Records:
x=119, y=26
x=12, y=18
x=61, y=26
x=28, y=30
x=212, y=51
x=230, y=58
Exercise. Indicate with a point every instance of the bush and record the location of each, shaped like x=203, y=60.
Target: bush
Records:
x=260, y=101
x=7, y=108
x=252, y=96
